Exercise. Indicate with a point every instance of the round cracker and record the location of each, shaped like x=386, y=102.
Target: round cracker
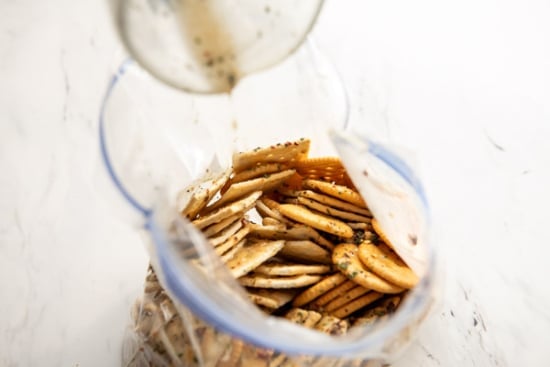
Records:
x=382, y=261
x=318, y=221
x=349, y=296
x=332, y=202
x=318, y=289
x=267, y=212
x=333, y=293
x=346, y=259
x=357, y=304
x=338, y=191
x=328, y=210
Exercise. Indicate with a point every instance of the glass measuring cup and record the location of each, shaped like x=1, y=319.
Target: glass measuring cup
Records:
x=206, y=46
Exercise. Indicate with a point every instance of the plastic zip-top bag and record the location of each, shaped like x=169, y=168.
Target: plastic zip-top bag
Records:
x=165, y=150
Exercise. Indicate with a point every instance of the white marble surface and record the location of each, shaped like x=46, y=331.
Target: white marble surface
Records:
x=465, y=85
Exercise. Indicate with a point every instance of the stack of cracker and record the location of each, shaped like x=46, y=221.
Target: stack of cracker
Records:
x=297, y=235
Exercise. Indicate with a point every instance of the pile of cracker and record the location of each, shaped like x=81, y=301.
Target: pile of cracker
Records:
x=294, y=231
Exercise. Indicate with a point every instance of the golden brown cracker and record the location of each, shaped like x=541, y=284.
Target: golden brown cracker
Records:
x=272, y=298
x=319, y=162
x=306, y=251
x=357, y=304
x=332, y=325
x=251, y=256
x=285, y=269
x=272, y=204
x=202, y=196
x=345, y=257
x=312, y=318
x=240, y=189
x=257, y=171
x=323, y=168
x=382, y=261
x=228, y=254
x=318, y=221
x=268, y=221
x=307, y=318
x=279, y=153
x=222, y=213
x=391, y=303
x=267, y=212
x=322, y=208
x=327, y=283
x=265, y=281
x=295, y=232
x=333, y=293
x=226, y=233
x=333, y=202
x=296, y=315
x=217, y=228
x=338, y=191
x=233, y=241
x=361, y=225
x=294, y=182
x=350, y=295
x=284, y=190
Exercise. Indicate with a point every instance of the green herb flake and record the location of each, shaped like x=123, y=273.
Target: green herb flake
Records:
x=343, y=266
